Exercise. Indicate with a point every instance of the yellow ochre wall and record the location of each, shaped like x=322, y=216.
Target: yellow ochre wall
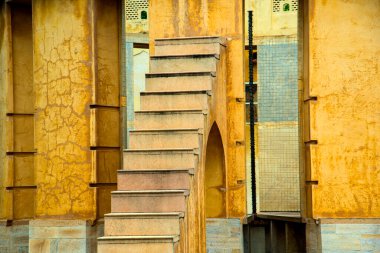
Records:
x=76, y=78
x=63, y=79
x=5, y=76
x=343, y=56
x=59, y=105
x=17, y=189
x=214, y=18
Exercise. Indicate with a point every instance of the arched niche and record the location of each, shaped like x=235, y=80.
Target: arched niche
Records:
x=215, y=176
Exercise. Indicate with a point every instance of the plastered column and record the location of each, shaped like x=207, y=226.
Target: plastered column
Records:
x=63, y=76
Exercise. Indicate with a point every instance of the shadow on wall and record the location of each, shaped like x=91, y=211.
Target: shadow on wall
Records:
x=215, y=176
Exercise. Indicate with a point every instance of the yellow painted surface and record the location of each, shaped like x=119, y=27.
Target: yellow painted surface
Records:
x=17, y=128
x=105, y=120
x=107, y=76
x=23, y=175
x=105, y=131
x=215, y=176
x=23, y=134
x=22, y=56
x=63, y=81
x=23, y=203
x=20, y=132
x=344, y=74
x=106, y=163
x=5, y=76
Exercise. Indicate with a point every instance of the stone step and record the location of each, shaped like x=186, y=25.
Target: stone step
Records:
x=187, y=81
x=183, y=63
x=142, y=223
x=169, y=119
x=154, y=179
x=138, y=244
x=174, y=100
x=159, y=159
x=165, y=138
x=195, y=45
x=152, y=201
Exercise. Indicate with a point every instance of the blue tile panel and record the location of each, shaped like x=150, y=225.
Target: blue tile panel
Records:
x=224, y=235
x=277, y=82
x=350, y=238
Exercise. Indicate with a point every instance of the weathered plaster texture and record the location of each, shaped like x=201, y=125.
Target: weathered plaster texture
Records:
x=344, y=76
x=63, y=80
x=224, y=235
x=343, y=238
x=14, y=238
x=64, y=236
x=4, y=79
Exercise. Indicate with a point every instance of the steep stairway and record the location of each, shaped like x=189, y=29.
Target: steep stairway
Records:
x=150, y=209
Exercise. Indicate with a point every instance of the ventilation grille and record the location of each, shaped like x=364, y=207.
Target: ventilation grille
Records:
x=133, y=9
x=284, y=6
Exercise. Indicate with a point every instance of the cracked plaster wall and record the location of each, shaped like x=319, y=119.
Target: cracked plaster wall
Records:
x=63, y=78
x=76, y=66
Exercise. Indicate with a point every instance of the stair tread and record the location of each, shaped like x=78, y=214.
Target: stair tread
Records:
x=160, y=57
x=175, y=214
x=174, y=238
x=177, y=92
x=158, y=149
x=148, y=191
x=169, y=41
x=165, y=130
x=179, y=74
x=171, y=111
x=156, y=171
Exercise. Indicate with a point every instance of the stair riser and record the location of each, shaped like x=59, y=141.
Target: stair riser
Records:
x=174, y=102
x=140, y=226
x=175, y=160
x=168, y=121
x=164, y=140
x=148, y=203
x=136, y=247
x=179, y=83
x=179, y=65
x=184, y=49
x=153, y=181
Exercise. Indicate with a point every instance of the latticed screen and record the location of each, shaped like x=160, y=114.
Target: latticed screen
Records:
x=136, y=9
x=284, y=6
x=136, y=16
x=277, y=161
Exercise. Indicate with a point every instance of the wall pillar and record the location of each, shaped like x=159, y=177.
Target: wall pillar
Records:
x=77, y=141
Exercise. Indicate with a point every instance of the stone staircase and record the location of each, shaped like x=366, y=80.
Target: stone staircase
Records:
x=152, y=209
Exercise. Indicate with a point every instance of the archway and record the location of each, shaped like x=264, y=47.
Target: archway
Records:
x=215, y=176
